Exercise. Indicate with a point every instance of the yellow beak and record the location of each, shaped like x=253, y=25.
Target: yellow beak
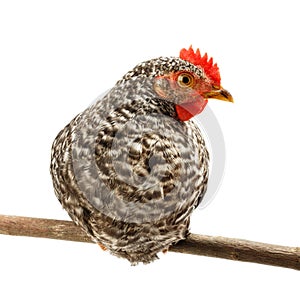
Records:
x=220, y=94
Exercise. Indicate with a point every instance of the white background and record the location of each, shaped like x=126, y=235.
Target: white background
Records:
x=56, y=57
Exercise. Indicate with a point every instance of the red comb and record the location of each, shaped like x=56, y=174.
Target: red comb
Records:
x=211, y=70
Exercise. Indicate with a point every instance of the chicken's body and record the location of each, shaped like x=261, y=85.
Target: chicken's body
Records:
x=128, y=171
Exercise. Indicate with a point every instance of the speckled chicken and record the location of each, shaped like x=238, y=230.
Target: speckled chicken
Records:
x=133, y=166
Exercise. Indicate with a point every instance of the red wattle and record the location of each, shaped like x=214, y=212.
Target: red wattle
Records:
x=186, y=111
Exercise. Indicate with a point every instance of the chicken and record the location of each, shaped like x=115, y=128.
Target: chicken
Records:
x=132, y=167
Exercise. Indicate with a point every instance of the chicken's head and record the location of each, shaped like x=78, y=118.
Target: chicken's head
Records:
x=187, y=81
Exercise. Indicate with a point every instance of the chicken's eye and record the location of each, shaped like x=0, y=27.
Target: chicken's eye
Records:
x=185, y=80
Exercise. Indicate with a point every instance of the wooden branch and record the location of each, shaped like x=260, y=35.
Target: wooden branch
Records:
x=221, y=247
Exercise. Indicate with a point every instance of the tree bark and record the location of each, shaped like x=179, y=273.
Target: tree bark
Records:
x=221, y=247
